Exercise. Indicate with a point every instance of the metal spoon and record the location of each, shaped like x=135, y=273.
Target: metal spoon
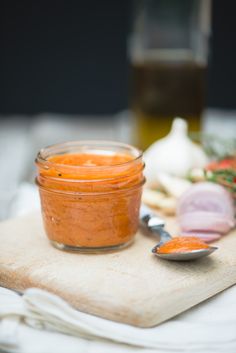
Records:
x=156, y=225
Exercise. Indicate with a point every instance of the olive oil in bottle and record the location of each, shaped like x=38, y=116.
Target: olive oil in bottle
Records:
x=162, y=90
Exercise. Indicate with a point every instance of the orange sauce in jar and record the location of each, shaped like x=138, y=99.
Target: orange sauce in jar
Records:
x=90, y=194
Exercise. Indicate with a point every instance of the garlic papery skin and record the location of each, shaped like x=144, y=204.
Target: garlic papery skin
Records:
x=174, y=154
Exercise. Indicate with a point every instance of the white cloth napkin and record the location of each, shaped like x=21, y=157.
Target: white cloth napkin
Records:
x=38, y=315
x=40, y=322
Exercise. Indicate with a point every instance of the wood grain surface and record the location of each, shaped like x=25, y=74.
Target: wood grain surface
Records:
x=130, y=286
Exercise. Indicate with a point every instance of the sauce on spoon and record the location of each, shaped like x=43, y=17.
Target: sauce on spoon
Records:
x=182, y=245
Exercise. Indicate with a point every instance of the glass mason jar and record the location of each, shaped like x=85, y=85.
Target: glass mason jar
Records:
x=90, y=194
x=168, y=50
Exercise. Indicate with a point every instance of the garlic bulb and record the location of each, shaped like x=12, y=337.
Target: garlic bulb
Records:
x=175, y=154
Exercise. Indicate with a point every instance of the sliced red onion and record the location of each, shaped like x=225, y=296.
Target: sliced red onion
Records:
x=205, y=236
x=205, y=221
x=206, y=196
x=206, y=207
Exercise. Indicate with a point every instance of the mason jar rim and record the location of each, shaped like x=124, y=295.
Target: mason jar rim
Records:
x=69, y=146
x=90, y=194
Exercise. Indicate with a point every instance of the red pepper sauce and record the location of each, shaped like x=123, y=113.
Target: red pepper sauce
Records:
x=182, y=245
x=88, y=205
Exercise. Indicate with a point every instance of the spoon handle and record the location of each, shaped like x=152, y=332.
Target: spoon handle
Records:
x=164, y=235
x=149, y=218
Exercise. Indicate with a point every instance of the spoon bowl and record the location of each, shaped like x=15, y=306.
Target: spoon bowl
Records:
x=156, y=226
x=184, y=256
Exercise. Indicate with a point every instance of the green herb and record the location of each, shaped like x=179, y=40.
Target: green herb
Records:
x=215, y=146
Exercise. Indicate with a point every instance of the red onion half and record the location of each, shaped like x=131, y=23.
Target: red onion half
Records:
x=206, y=209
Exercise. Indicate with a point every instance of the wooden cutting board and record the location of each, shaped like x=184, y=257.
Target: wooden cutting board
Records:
x=131, y=286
